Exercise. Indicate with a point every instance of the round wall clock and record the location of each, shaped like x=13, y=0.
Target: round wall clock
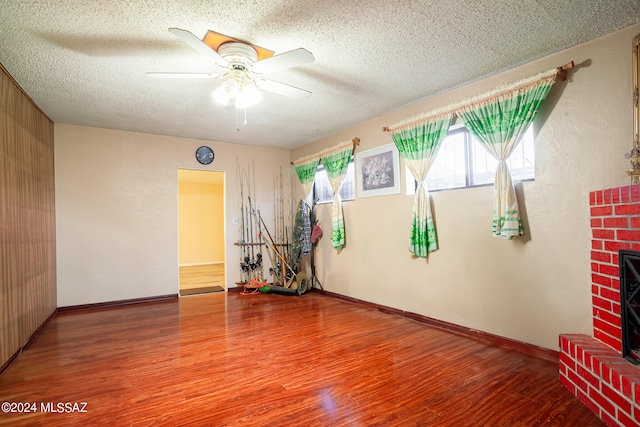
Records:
x=204, y=155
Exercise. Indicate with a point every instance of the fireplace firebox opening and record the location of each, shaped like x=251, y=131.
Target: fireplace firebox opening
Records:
x=630, y=304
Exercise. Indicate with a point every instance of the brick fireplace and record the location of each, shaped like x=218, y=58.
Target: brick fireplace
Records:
x=592, y=367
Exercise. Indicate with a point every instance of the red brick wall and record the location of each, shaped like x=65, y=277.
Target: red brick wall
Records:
x=615, y=224
x=592, y=368
x=598, y=375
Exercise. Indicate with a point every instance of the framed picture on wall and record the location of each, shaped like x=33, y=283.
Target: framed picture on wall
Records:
x=378, y=171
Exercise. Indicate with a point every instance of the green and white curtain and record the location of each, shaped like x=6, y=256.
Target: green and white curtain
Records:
x=306, y=171
x=498, y=119
x=335, y=162
x=418, y=144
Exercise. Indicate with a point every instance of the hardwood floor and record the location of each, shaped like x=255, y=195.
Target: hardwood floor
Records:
x=201, y=276
x=277, y=360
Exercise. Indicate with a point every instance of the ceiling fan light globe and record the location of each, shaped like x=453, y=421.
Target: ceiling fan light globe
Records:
x=225, y=93
x=248, y=96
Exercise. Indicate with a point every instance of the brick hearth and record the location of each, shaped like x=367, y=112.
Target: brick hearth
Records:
x=592, y=367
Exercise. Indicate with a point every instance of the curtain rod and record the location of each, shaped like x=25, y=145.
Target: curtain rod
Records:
x=327, y=151
x=561, y=73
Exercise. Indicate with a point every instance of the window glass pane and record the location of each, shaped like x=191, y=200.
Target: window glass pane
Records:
x=521, y=162
x=483, y=165
x=347, y=190
x=322, y=187
x=448, y=169
x=409, y=181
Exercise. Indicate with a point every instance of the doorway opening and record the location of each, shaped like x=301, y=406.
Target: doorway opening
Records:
x=201, y=232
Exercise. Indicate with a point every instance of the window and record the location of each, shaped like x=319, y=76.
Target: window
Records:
x=322, y=191
x=462, y=161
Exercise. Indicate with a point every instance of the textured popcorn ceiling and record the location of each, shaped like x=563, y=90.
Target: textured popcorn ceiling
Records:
x=84, y=61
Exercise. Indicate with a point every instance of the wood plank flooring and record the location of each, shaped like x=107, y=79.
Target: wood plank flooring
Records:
x=201, y=276
x=228, y=359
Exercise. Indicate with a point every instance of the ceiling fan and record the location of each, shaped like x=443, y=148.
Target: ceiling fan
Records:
x=244, y=65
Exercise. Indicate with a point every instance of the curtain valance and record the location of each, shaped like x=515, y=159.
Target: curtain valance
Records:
x=327, y=151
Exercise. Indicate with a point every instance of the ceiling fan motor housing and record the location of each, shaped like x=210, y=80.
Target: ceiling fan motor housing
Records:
x=238, y=54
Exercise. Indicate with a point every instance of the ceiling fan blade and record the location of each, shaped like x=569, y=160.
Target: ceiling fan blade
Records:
x=285, y=60
x=282, y=89
x=184, y=75
x=199, y=45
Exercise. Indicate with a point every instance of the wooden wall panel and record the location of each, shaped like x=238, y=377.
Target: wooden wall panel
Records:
x=27, y=218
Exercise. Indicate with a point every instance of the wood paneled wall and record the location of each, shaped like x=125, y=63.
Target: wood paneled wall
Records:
x=27, y=218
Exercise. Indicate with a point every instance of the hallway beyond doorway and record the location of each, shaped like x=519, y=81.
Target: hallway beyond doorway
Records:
x=201, y=276
x=201, y=231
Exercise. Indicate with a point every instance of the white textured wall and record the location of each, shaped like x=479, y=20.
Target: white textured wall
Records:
x=529, y=289
x=116, y=209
